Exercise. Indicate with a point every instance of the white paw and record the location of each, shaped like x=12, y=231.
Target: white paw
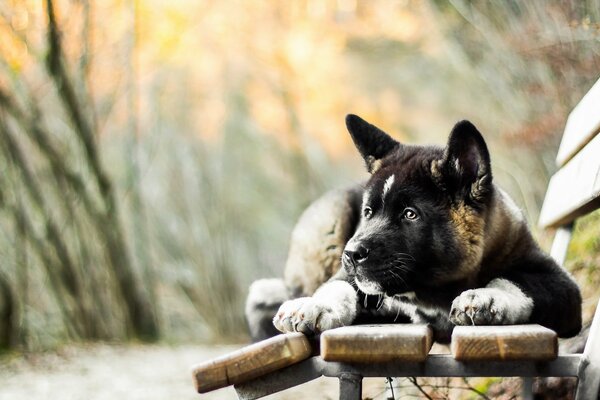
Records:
x=307, y=315
x=485, y=306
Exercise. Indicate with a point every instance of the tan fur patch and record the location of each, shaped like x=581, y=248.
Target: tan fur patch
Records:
x=436, y=171
x=318, y=241
x=469, y=228
x=373, y=164
x=503, y=230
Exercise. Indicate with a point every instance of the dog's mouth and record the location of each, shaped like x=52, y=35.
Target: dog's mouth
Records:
x=390, y=274
x=368, y=286
x=383, y=281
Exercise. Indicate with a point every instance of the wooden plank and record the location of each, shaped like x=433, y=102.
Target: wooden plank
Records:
x=582, y=125
x=504, y=342
x=575, y=189
x=251, y=362
x=376, y=343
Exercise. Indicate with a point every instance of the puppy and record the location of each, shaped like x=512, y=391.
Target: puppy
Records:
x=429, y=239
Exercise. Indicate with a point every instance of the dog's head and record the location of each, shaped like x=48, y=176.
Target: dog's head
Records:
x=422, y=217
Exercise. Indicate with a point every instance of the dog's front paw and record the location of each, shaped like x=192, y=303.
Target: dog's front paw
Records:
x=485, y=306
x=306, y=315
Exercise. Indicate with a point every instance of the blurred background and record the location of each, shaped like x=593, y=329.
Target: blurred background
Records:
x=155, y=155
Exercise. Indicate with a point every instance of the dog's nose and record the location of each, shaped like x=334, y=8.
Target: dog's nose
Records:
x=356, y=255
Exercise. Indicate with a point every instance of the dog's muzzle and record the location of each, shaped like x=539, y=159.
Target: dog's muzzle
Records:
x=354, y=255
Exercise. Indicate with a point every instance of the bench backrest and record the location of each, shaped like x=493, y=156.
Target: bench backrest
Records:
x=574, y=189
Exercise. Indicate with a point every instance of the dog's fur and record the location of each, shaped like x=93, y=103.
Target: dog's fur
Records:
x=429, y=238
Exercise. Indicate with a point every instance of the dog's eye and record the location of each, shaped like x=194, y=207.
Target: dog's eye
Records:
x=410, y=214
x=367, y=212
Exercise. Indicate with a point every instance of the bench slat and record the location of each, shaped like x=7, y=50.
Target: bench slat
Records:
x=507, y=342
x=575, y=189
x=251, y=362
x=582, y=125
x=376, y=343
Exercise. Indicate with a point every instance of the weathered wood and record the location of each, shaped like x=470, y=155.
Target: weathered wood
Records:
x=251, y=362
x=575, y=189
x=376, y=343
x=582, y=125
x=505, y=342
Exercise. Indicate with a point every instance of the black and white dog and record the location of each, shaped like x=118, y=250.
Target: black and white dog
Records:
x=429, y=238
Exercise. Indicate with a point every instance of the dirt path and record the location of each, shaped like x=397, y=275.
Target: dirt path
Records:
x=102, y=372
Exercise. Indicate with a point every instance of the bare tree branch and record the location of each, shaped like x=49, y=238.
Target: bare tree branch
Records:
x=419, y=388
x=139, y=304
x=49, y=263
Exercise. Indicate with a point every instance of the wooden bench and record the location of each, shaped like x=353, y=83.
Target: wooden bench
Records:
x=402, y=350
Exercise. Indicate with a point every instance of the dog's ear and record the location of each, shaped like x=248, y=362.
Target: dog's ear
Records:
x=465, y=168
x=372, y=143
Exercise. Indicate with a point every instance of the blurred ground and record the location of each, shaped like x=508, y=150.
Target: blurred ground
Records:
x=133, y=372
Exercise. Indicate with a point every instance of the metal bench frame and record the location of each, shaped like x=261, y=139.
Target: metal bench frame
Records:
x=351, y=375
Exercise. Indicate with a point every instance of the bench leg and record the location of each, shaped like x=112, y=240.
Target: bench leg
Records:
x=560, y=245
x=350, y=387
x=589, y=369
x=527, y=389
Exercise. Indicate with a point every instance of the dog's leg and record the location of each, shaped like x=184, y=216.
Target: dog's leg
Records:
x=501, y=302
x=319, y=238
x=264, y=299
x=555, y=295
x=536, y=290
x=333, y=305
x=315, y=251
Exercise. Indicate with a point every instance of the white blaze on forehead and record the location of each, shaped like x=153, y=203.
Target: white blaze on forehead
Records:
x=365, y=198
x=388, y=185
